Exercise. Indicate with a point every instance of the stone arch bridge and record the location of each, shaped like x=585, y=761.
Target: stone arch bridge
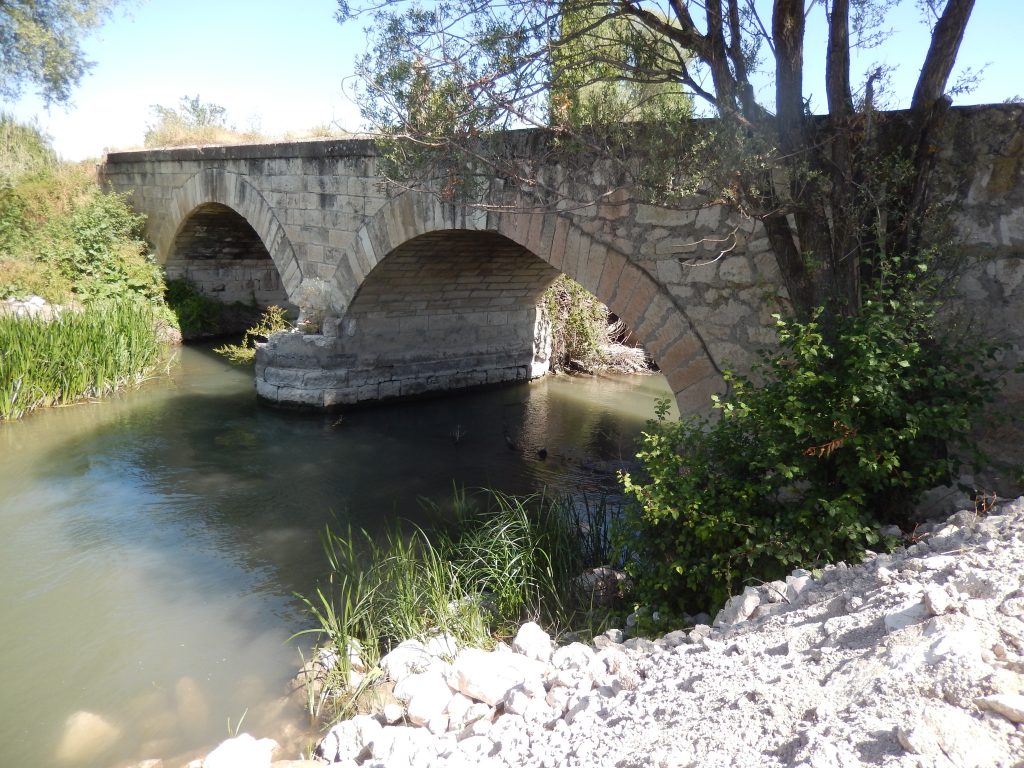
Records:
x=425, y=296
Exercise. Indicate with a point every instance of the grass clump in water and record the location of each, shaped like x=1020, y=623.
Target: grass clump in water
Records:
x=104, y=347
x=502, y=562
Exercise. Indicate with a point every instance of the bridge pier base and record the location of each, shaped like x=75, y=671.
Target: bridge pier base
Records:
x=336, y=368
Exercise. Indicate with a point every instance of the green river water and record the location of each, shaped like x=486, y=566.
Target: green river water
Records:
x=151, y=544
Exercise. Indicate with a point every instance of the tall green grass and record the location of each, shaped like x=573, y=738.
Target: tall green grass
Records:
x=77, y=355
x=501, y=561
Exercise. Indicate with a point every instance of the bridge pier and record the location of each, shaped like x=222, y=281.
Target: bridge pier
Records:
x=344, y=365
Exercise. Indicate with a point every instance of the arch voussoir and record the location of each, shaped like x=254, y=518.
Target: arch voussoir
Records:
x=232, y=190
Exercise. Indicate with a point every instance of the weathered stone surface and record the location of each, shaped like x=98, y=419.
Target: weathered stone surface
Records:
x=533, y=642
x=426, y=695
x=243, y=751
x=1009, y=705
x=405, y=659
x=487, y=677
x=866, y=686
x=426, y=297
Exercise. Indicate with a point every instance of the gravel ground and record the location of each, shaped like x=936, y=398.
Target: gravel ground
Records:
x=909, y=659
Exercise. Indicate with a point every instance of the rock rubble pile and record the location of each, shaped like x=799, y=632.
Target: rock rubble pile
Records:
x=914, y=658
x=30, y=307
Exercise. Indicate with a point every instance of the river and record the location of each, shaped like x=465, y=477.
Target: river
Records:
x=151, y=544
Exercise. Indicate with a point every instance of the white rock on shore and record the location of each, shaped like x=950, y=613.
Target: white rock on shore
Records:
x=910, y=659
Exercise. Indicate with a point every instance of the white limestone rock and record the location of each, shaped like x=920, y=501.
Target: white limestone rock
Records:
x=572, y=656
x=457, y=709
x=487, y=677
x=444, y=647
x=950, y=737
x=406, y=659
x=426, y=696
x=349, y=739
x=533, y=642
x=738, y=608
x=797, y=584
x=399, y=745
x=517, y=699
x=476, y=746
x=910, y=612
x=937, y=600
x=243, y=751
x=1009, y=705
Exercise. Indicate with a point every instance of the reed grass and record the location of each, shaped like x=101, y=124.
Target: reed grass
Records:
x=502, y=560
x=103, y=348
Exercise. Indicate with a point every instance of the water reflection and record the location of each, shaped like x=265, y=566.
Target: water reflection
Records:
x=150, y=545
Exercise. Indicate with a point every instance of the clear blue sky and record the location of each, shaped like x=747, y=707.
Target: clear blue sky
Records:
x=282, y=65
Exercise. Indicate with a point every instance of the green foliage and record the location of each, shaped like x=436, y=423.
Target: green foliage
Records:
x=197, y=313
x=579, y=326
x=41, y=44
x=62, y=238
x=849, y=426
x=273, y=320
x=77, y=355
x=592, y=62
x=442, y=81
x=100, y=250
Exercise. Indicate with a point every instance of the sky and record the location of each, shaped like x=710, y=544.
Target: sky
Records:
x=283, y=66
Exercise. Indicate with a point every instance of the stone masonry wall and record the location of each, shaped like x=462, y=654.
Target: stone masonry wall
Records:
x=697, y=286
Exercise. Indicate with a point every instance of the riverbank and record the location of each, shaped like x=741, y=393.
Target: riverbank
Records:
x=911, y=658
x=82, y=310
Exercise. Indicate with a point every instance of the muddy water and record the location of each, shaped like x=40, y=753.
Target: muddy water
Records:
x=150, y=545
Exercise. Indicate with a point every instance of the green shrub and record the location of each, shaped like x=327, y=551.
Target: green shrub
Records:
x=100, y=250
x=65, y=240
x=845, y=432
x=579, y=326
x=197, y=314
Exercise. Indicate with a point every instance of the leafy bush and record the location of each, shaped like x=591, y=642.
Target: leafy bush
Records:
x=847, y=429
x=99, y=249
x=579, y=326
x=65, y=240
x=197, y=313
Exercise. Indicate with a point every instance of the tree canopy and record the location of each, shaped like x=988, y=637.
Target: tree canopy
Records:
x=843, y=196
x=40, y=45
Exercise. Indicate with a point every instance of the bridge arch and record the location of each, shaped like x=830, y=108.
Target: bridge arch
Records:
x=627, y=289
x=212, y=188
